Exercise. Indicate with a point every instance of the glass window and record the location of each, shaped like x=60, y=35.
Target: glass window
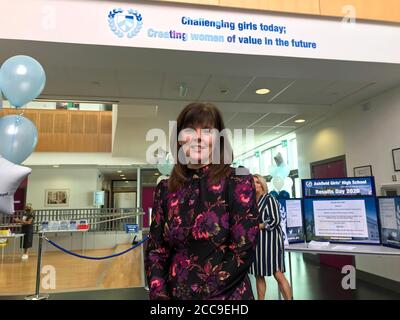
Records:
x=293, y=159
x=263, y=163
x=266, y=160
x=253, y=164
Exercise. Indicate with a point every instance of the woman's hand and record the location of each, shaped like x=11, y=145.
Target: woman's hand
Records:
x=261, y=226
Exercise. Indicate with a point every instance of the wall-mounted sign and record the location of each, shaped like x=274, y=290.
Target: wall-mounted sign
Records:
x=132, y=228
x=180, y=27
x=98, y=198
x=340, y=187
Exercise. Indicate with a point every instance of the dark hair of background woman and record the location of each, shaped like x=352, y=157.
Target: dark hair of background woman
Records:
x=203, y=115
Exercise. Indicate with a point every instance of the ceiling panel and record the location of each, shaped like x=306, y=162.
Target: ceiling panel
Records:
x=318, y=91
x=224, y=88
x=273, y=84
x=139, y=84
x=194, y=84
x=273, y=119
x=243, y=120
x=56, y=78
x=276, y=131
x=81, y=82
x=308, y=117
x=341, y=89
x=227, y=116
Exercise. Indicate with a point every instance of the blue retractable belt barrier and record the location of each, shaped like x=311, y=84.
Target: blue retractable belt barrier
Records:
x=96, y=258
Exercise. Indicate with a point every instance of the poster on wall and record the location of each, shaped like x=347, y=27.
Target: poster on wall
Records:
x=56, y=198
x=389, y=212
x=98, y=198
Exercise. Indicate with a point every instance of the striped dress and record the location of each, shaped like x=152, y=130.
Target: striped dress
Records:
x=270, y=248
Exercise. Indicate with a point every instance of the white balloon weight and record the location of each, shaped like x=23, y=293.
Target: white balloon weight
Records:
x=11, y=176
x=160, y=178
x=278, y=183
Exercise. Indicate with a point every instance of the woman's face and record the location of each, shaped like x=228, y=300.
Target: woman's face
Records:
x=259, y=188
x=197, y=144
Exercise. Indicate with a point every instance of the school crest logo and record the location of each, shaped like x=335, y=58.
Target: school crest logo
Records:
x=309, y=184
x=125, y=23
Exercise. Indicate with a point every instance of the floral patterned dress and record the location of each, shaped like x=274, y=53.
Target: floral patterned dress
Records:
x=202, y=238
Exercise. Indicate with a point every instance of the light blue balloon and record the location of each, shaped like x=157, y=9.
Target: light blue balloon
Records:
x=165, y=168
x=22, y=79
x=283, y=171
x=273, y=170
x=165, y=165
x=18, y=138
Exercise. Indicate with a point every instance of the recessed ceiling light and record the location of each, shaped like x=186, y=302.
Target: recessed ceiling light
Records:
x=122, y=175
x=263, y=91
x=124, y=178
x=119, y=171
x=300, y=121
x=156, y=174
x=126, y=181
x=56, y=166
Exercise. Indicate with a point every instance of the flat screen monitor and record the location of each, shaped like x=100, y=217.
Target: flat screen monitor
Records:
x=389, y=213
x=293, y=217
x=342, y=220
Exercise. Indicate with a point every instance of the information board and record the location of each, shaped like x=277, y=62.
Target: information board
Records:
x=294, y=220
x=389, y=212
x=353, y=220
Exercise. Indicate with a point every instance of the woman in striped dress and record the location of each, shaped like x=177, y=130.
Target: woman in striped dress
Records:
x=270, y=249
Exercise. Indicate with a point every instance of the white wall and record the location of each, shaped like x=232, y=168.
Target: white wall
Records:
x=321, y=141
x=373, y=134
x=366, y=136
x=80, y=182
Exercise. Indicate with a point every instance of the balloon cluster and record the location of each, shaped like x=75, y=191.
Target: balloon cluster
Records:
x=165, y=164
x=22, y=79
x=279, y=173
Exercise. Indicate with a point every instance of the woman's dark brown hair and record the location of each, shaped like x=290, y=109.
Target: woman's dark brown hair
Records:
x=202, y=115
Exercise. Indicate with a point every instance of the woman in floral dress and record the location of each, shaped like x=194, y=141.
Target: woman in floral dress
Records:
x=205, y=217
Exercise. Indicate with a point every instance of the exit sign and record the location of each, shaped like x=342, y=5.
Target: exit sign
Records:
x=284, y=143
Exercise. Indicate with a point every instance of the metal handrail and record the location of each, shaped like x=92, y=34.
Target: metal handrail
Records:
x=103, y=219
